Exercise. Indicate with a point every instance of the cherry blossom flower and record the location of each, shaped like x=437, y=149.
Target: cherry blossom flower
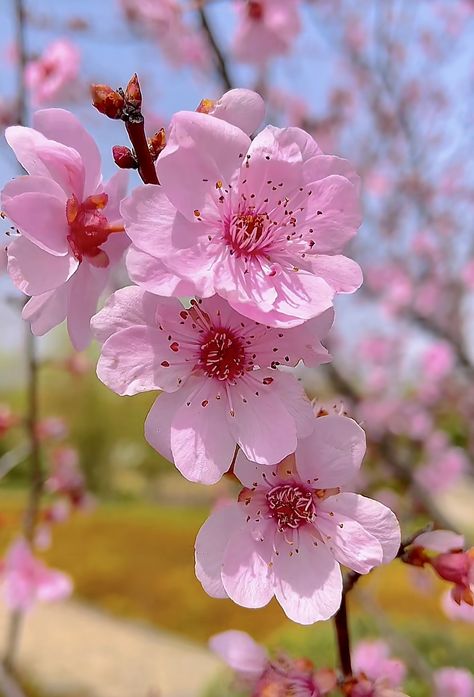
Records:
x=291, y=528
x=66, y=216
x=372, y=658
x=267, y=28
x=455, y=682
x=264, y=676
x=26, y=580
x=54, y=72
x=66, y=477
x=462, y=612
x=217, y=370
x=262, y=224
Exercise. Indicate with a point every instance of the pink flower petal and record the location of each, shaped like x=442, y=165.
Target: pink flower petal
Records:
x=201, y=441
x=63, y=126
x=211, y=543
x=340, y=272
x=242, y=108
x=152, y=275
x=33, y=184
x=246, y=572
x=332, y=455
x=86, y=287
x=24, y=142
x=35, y=271
x=240, y=652
x=200, y=152
x=373, y=516
x=42, y=219
x=127, y=307
x=308, y=583
x=46, y=311
x=440, y=541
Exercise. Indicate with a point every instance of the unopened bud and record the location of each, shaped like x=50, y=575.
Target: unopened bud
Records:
x=124, y=157
x=133, y=93
x=157, y=143
x=107, y=101
x=454, y=567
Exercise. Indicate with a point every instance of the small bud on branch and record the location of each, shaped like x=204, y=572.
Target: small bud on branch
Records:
x=124, y=157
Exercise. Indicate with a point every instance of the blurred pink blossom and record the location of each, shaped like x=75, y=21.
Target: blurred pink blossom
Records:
x=266, y=28
x=453, y=682
x=373, y=659
x=53, y=73
x=26, y=580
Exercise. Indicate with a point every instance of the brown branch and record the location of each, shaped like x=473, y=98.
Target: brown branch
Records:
x=343, y=638
x=146, y=166
x=219, y=60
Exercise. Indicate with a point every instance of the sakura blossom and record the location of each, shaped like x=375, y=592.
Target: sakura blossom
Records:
x=372, y=659
x=54, y=72
x=455, y=682
x=269, y=676
x=68, y=221
x=27, y=580
x=218, y=372
x=261, y=223
x=267, y=28
x=292, y=527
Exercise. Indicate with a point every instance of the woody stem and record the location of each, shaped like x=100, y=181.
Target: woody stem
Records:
x=146, y=166
x=343, y=638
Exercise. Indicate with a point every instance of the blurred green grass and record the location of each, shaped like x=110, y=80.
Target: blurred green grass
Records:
x=136, y=560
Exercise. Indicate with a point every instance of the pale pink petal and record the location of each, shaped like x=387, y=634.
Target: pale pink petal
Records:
x=440, y=541
x=32, y=184
x=139, y=359
x=262, y=424
x=463, y=612
x=127, y=307
x=42, y=219
x=53, y=585
x=347, y=540
x=152, y=275
x=341, y=273
x=24, y=142
x=308, y=584
x=323, y=166
x=46, y=311
x=86, y=287
x=65, y=166
x=200, y=152
x=153, y=223
x=242, y=108
x=240, y=652
x=373, y=516
x=63, y=126
x=201, y=440
x=335, y=202
x=246, y=572
x=211, y=543
x=35, y=271
x=332, y=455
x=158, y=421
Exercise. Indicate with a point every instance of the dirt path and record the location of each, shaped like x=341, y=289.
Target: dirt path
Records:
x=72, y=648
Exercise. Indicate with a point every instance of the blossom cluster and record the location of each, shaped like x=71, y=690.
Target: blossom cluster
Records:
x=252, y=232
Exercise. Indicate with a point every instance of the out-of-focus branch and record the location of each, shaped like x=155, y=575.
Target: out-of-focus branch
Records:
x=220, y=62
x=400, y=469
x=8, y=685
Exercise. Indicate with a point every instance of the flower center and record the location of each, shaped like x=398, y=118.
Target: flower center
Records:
x=255, y=10
x=89, y=228
x=222, y=355
x=291, y=505
x=246, y=233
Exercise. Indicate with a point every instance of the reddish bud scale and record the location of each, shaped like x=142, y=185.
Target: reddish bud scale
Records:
x=107, y=101
x=124, y=158
x=133, y=93
x=157, y=143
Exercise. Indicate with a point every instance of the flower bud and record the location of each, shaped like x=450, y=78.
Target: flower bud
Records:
x=133, y=94
x=453, y=566
x=124, y=157
x=107, y=101
x=157, y=143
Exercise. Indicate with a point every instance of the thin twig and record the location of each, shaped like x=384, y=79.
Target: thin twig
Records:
x=343, y=638
x=146, y=166
x=220, y=62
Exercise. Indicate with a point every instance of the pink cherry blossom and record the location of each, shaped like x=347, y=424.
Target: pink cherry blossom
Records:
x=452, y=609
x=217, y=370
x=373, y=659
x=66, y=477
x=265, y=676
x=291, y=528
x=267, y=28
x=262, y=224
x=455, y=682
x=26, y=580
x=239, y=107
x=54, y=72
x=66, y=216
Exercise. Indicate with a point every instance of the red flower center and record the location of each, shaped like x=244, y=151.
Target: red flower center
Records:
x=222, y=355
x=89, y=228
x=246, y=233
x=255, y=10
x=291, y=505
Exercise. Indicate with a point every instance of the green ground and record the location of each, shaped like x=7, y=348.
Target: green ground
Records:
x=136, y=560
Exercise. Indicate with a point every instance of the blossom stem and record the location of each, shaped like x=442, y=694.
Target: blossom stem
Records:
x=343, y=638
x=146, y=166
